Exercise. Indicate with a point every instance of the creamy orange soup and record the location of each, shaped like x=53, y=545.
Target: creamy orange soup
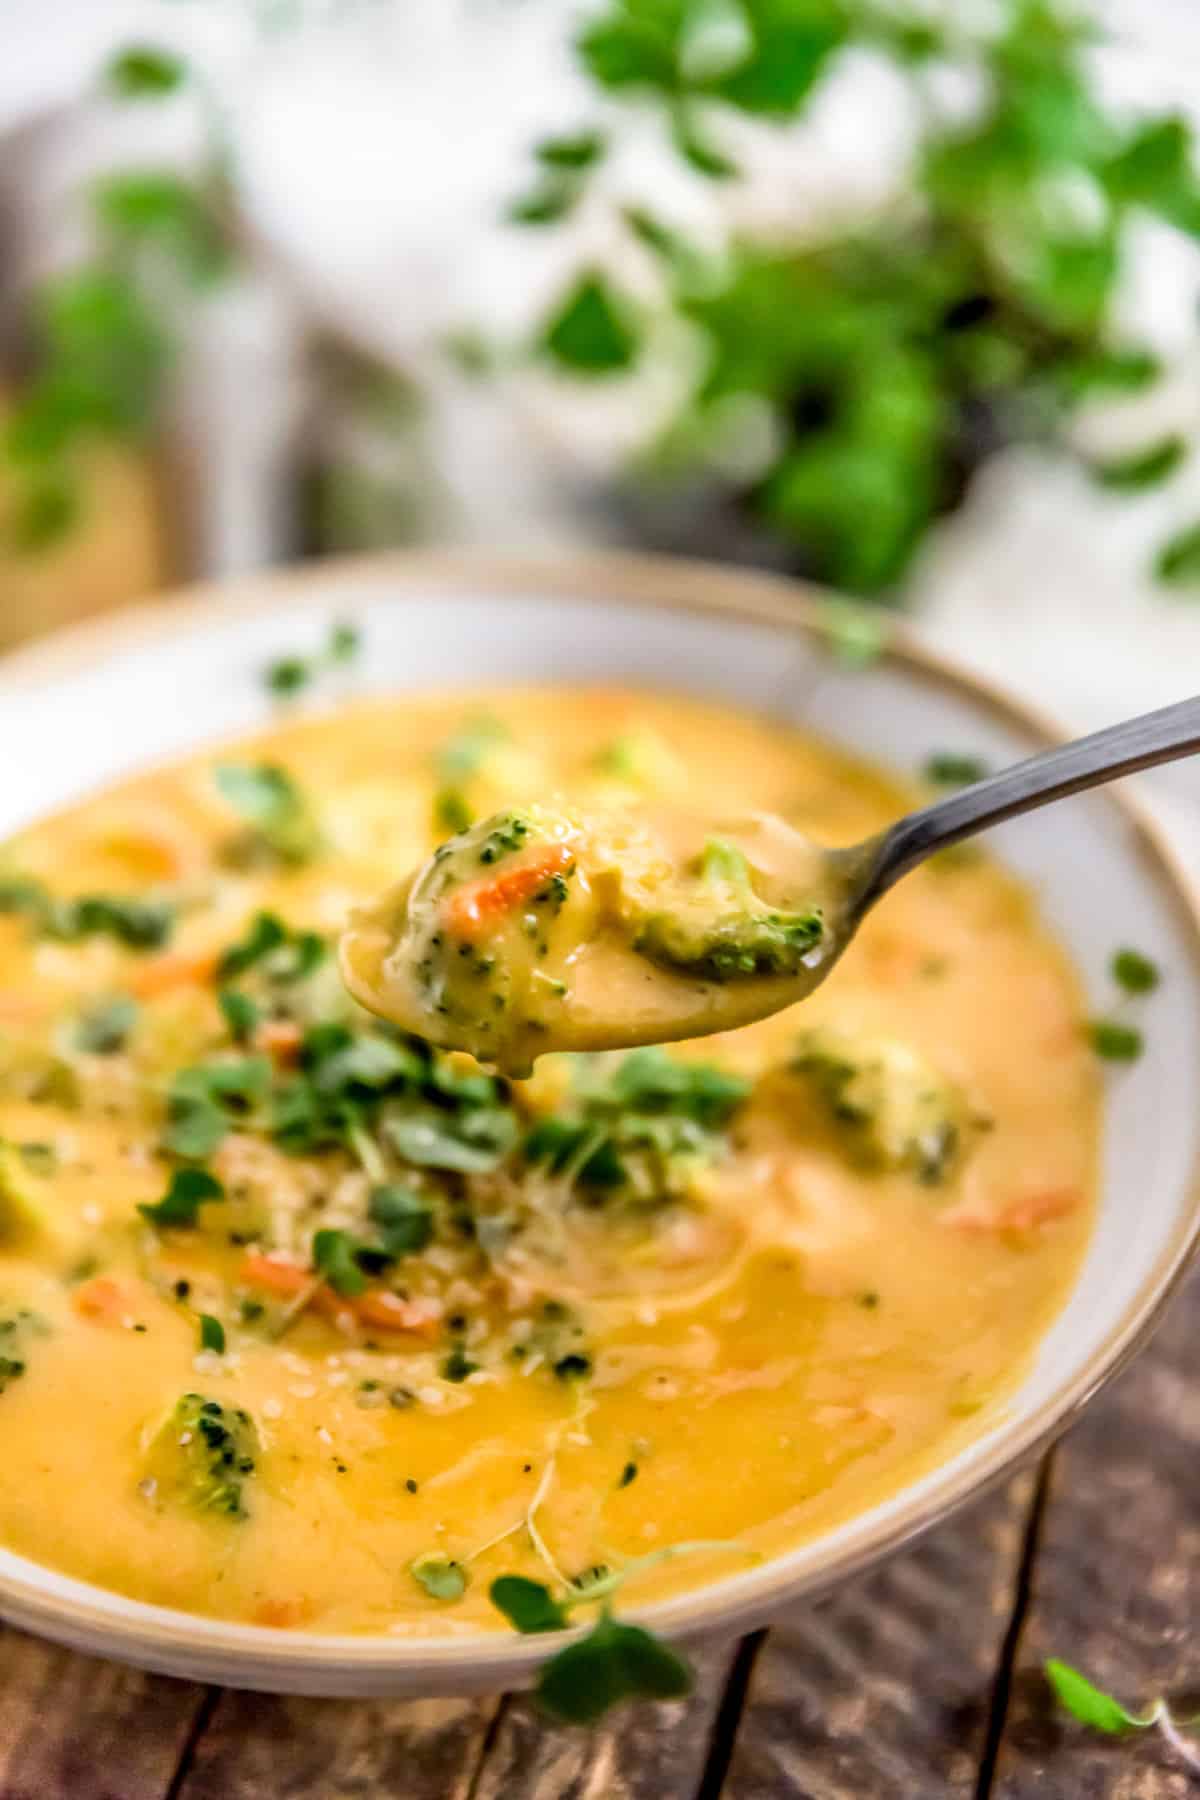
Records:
x=306, y=1324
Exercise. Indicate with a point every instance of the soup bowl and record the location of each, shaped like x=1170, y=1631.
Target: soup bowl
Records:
x=103, y=700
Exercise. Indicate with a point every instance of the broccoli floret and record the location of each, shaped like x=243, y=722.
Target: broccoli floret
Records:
x=730, y=947
x=718, y=930
x=202, y=1456
x=891, y=1108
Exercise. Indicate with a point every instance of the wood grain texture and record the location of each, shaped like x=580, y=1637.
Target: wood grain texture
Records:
x=279, y=1747
x=640, y=1753
x=1116, y=1583
x=883, y=1691
x=77, y=1728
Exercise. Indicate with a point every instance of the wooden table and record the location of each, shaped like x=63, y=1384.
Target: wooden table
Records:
x=918, y=1681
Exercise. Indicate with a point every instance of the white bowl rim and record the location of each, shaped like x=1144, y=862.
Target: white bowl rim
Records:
x=41, y=1599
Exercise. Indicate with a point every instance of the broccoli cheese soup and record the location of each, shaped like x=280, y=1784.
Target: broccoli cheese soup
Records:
x=309, y=1323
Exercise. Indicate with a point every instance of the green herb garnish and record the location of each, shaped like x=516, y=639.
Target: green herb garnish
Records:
x=949, y=768
x=1115, y=1042
x=105, y=1029
x=240, y=1013
x=212, y=1334
x=335, y=1256
x=1134, y=972
x=594, y=332
x=282, y=827
x=179, y=1207
x=1144, y=468
x=404, y=1219
x=289, y=674
x=204, y=1101
x=614, y=1661
x=137, y=924
x=1092, y=1706
x=440, y=1576
x=145, y=72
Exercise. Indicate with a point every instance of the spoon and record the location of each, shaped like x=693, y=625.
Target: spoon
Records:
x=541, y=930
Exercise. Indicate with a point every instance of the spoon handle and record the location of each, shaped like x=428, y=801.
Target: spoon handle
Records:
x=1157, y=737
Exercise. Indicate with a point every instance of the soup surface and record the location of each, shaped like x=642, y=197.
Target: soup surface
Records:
x=306, y=1324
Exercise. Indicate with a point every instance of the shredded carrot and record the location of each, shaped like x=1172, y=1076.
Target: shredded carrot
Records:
x=275, y=1277
x=1024, y=1213
x=1038, y=1209
x=471, y=909
x=178, y=969
x=104, y=1300
x=387, y=1312
x=284, y=1614
x=280, y=1039
x=379, y=1310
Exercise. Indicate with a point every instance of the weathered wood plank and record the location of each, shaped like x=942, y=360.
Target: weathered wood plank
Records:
x=641, y=1753
x=260, y=1745
x=76, y=1728
x=883, y=1691
x=1116, y=1584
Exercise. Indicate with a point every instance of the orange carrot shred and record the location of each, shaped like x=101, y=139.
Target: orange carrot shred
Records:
x=472, y=909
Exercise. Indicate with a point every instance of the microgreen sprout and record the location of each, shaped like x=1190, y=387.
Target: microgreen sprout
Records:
x=1092, y=1706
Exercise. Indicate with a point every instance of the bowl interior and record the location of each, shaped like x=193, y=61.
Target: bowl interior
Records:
x=104, y=704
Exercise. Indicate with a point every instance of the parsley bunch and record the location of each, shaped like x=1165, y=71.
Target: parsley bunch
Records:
x=104, y=332
x=887, y=362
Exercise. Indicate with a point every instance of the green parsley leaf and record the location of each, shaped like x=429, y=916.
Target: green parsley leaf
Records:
x=699, y=150
x=180, y=1205
x=1086, y=1702
x=1145, y=468
x=264, y=934
x=949, y=768
x=240, y=1013
x=1134, y=972
x=273, y=806
x=440, y=1576
x=581, y=151
x=105, y=1029
x=138, y=924
x=1115, y=1042
x=467, y=751
x=614, y=1662
x=345, y=642
x=593, y=332
x=1178, y=562
x=335, y=1257
x=528, y=1605
x=145, y=72
x=651, y=1080
x=404, y=1219
x=212, y=1334
x=203, y=1101
x=545, y=204
x=457, y=1365
x=287, y=675
x=473, y=1142
x=195, y=1124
